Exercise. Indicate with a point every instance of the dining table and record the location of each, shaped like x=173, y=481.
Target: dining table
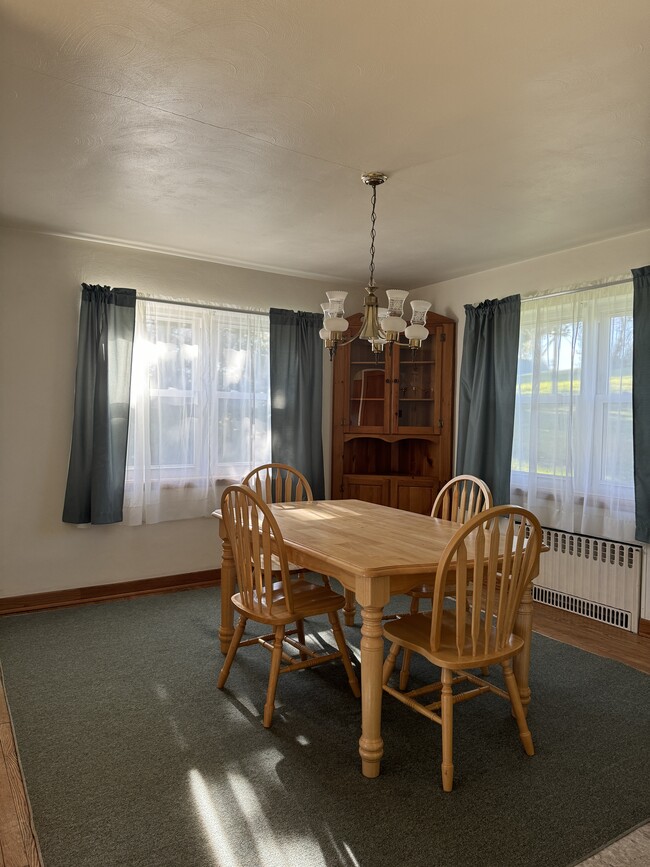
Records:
x=375, y=552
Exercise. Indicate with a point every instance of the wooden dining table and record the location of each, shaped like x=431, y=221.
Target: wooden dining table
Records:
x=375, y=552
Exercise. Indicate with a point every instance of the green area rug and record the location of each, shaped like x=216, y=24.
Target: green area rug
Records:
x=132, y=756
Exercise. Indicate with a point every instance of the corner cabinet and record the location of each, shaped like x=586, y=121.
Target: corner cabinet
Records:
x=392, y=419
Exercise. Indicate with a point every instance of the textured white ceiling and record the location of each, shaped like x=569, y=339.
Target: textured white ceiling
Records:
x=237, y=131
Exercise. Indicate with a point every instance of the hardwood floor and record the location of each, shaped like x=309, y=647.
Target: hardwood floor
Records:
x=18, y=846
x=598, y=638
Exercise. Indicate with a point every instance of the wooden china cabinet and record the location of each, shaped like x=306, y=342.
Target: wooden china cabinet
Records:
x=392, y=419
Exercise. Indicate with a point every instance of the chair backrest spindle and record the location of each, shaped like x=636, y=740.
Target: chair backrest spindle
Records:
x=492, y=557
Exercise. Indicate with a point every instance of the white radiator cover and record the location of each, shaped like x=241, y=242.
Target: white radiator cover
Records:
x=597, y=578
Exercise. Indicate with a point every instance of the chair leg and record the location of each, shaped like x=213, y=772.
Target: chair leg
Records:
x=406, y=659
x=350, y=607
x=406, y=669
x=300, y=630
x=345, y=656
x=232, y=650
x=518, y=708
x=447, y=713
x=276, y=659
x=389, y=662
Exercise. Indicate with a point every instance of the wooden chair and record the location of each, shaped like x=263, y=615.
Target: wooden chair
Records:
x=269, y=595
x=502, y=560
x=461, y=498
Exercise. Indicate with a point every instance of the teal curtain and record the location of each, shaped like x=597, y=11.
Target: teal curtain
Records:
x=296, y=361
x=641, y=400
x=95, y=488
x=486, y=406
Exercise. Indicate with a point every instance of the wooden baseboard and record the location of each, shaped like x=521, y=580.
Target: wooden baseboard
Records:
x=644, y=627
x=105, y=592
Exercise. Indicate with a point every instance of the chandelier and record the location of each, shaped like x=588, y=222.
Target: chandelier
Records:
x=381, y=325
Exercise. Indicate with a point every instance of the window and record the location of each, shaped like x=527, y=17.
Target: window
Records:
x=200, y=408
x=572, y=448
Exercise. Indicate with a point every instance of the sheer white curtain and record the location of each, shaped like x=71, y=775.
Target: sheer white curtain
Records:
x=572, y=451
x=200, y=408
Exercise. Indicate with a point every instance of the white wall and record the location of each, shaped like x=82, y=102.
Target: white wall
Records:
x=40, y=279
x=578, y=265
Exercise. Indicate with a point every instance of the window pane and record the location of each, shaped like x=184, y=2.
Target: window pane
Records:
x=200, y=408
x=172, y=434
x=617, y=466
x=619, y=380
x=572, y=453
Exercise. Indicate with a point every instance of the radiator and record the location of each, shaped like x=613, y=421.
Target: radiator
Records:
x=596, y=578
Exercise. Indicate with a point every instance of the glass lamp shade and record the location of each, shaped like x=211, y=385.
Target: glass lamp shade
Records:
x=334, y=321
x=337, y=302
x=393, y=325
x=396, y=298
x=416, y=332
x=337, y=324
x=420, y=310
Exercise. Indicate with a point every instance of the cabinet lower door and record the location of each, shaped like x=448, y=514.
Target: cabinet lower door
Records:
x=414, y=495
x=370, y=489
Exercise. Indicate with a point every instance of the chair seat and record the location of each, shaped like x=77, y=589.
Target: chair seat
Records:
x=413, y=631
x=308, y=600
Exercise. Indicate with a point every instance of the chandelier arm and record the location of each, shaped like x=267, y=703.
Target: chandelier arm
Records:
x=347, y=342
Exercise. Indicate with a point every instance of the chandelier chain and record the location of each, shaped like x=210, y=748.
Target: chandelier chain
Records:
x=373, y=235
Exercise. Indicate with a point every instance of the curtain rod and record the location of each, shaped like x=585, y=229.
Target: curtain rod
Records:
x=579, y=289
x=201, y=306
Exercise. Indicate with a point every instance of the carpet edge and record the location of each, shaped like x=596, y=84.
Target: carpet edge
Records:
x=611, y=842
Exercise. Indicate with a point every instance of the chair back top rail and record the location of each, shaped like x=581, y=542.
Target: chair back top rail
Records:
x=461, y=498
x=279, y=483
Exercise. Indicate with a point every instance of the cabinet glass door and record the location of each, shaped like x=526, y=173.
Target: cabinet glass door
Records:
x=369, y=394
x=417, y=387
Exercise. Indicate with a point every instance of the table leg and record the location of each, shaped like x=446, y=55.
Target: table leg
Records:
x=524, y=629
x=226, y=628
x=350, y=608
x=371, y=746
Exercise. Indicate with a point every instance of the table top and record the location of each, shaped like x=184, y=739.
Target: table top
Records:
x=361, y=539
